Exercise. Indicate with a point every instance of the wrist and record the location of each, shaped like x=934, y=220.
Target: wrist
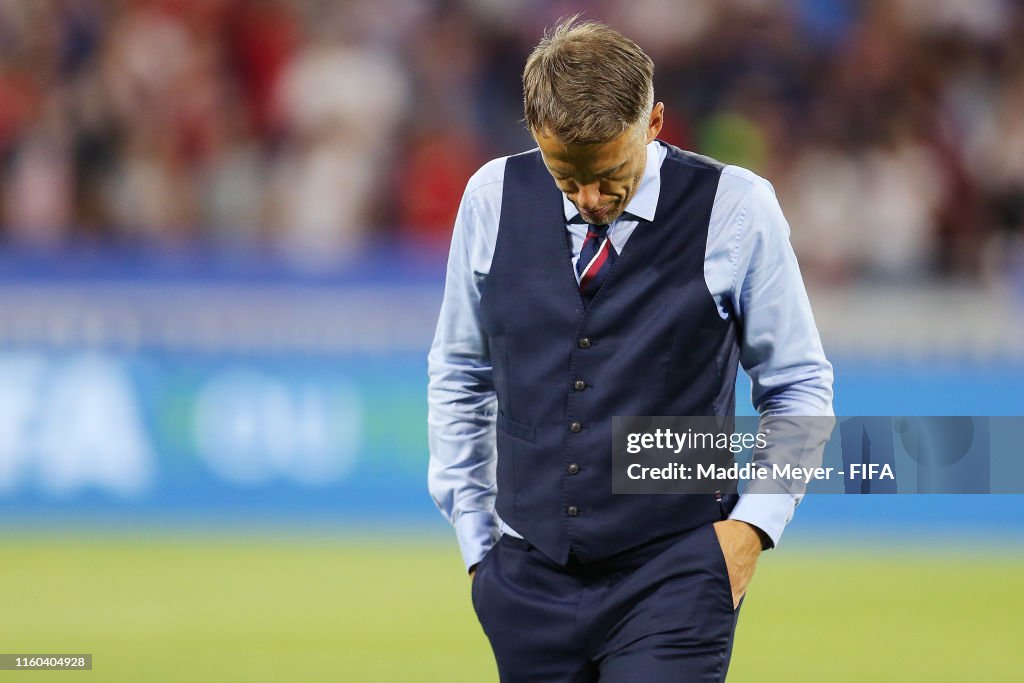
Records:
x=764, y=539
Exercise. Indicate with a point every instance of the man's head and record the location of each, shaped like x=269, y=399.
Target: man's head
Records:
x=588, y=95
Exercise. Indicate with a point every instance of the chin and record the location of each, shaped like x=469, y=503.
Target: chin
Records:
x=613, y=216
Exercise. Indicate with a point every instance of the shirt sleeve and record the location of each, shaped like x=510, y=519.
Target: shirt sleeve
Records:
x=780, y=349
x=460, y=394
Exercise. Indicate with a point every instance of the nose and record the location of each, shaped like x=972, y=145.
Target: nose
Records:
x=589, y=197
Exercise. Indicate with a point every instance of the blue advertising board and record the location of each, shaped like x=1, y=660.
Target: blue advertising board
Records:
x=167, y=394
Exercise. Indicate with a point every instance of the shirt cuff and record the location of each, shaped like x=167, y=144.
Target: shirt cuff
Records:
x=769, y=512
x=477, y=532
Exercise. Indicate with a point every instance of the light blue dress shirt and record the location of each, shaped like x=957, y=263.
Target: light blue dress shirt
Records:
x=751, y=272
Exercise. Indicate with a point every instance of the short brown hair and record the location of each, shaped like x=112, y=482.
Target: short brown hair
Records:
x=586, y=83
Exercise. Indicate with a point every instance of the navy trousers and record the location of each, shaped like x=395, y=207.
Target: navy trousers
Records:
x=662, y=612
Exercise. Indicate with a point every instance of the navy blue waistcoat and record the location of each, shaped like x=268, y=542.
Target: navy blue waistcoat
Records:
x=650, y=343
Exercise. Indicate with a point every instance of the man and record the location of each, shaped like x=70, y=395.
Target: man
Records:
x=607, y=273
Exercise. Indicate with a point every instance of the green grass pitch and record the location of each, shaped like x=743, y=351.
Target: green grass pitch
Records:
x=232, y=607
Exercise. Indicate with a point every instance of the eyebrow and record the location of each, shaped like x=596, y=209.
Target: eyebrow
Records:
x=611, y=170
x=606, y=171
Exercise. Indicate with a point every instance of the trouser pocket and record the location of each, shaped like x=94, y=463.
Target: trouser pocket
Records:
x=720, y=565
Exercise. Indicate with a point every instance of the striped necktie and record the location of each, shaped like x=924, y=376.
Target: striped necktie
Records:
x=595, y=262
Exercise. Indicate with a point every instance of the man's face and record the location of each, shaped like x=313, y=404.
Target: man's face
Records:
x=600, y=179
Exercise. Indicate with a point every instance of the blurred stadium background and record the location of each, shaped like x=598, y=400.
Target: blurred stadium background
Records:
x=224, y=227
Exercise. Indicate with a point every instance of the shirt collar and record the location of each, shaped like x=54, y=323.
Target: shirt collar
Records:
x=645, y=201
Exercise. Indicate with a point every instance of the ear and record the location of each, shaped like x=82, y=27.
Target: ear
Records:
x=656, y=121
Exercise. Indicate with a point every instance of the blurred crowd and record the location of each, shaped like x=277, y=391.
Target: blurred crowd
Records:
x=893, y=131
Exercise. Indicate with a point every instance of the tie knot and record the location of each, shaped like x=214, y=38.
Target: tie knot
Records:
x=598, y=231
